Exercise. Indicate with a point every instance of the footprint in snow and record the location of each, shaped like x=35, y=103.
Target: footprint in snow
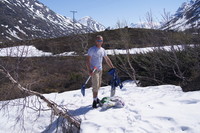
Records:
x=185, y=128
x=189, y=101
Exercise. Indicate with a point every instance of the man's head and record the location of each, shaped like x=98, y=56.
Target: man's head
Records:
x=99, y=40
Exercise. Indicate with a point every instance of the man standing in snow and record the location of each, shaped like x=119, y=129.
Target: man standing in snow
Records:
x=95, y=59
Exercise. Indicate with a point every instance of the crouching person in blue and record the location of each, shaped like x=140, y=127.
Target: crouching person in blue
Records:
x=95, y=57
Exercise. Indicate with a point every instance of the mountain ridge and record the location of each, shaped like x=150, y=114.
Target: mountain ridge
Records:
x=186, y=17
x=90, y=22
x=30, y=19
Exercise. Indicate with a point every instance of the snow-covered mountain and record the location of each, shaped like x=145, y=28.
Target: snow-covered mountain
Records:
x=186, y=17
x=90, y=22
x=28, y=19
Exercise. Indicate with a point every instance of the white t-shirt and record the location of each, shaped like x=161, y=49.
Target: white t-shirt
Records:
x=96, y=55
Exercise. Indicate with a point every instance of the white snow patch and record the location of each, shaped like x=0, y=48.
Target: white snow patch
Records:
x=67, y=54
x=144, y=50
x=39, y=5
x=6, y=26
x=23, y=51
x=20, y=21
x=39, y=14
x=17, y=27
x=8, y=38
x=13, y=33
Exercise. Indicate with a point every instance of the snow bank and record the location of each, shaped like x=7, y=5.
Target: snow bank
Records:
x=153, y=109
x=23, y=51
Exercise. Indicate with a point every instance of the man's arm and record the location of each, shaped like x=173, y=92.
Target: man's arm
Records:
x=108, y=61
x=88, y=61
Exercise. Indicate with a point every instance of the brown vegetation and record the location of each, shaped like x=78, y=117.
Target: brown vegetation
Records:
x=58, y=74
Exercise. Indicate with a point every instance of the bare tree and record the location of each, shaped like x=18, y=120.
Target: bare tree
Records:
x=166, y=17
x=80, y=38
x=125, y=65
x=150, y=20
x=121, y=24
x=6, y=68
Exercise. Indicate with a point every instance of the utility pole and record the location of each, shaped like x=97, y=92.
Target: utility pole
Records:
x=73, y=19
x=73, y=15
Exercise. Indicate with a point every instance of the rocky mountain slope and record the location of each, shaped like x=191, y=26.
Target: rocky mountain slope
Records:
x=91, y=23
x=186, y=17
x=28, y=19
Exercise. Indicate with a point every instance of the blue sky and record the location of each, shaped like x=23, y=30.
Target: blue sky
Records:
x=109, y=12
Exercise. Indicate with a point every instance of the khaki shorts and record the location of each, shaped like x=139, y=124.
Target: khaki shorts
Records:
x=96, y=80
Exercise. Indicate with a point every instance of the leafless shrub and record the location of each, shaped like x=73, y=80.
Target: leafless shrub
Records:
x=160, y=66
x=150, y=20
x=128, y=69
x=166, y=16
x=36, y=105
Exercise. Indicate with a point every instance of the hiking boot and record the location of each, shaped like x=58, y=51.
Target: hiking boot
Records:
x=96, y=102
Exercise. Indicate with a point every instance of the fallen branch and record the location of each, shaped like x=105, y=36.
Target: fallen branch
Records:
x=56, y=109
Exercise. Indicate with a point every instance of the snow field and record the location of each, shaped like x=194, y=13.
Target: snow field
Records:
x=153, y=109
